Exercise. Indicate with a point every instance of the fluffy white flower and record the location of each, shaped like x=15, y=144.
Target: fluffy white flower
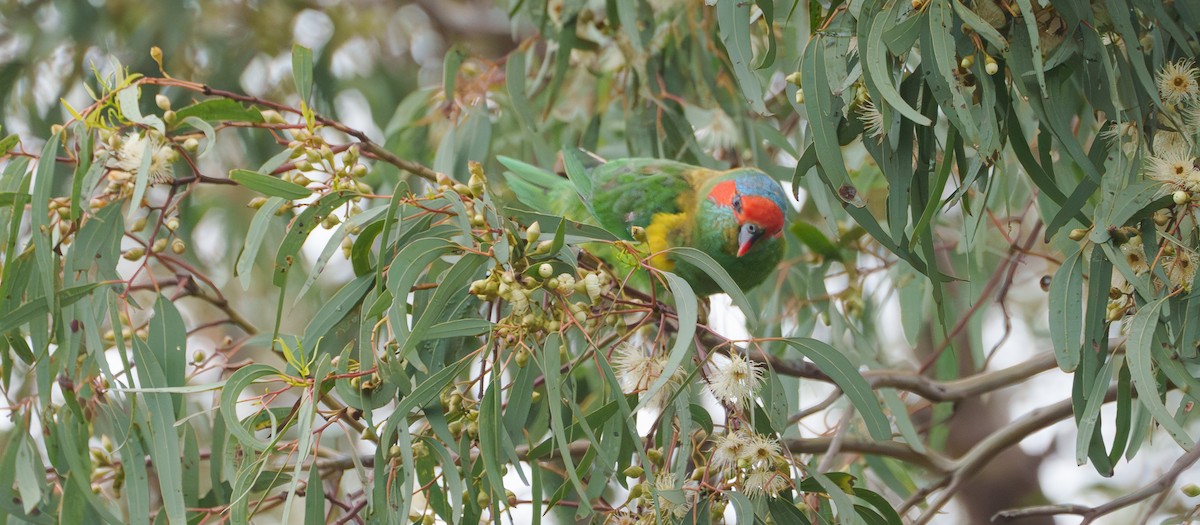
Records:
x=727, y=450
x=766, y=482
x=636, y=370
x=1135, y=255
x=1171, y=144
x=735, y=381
x=1181, y=268
x=132, y=152
x=715, y=130
x=872, y=119
x=1175, y=168
x=1124, y=134
x=761, y=450
x=1177, y=82
x=624, y=517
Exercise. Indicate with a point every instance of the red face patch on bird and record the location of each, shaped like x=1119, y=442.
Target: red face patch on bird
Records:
x=757, y=216
x=759, y=210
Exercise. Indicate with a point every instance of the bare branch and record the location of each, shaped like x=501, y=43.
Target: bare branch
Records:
x=979, y=456
x=1154, y=488
x=912, y=381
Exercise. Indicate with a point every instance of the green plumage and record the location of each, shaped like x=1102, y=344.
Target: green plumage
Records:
x=670, y=201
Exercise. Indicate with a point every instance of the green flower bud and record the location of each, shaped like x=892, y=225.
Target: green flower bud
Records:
x=533, y=232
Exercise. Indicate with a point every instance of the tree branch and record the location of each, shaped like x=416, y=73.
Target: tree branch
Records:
x=910, y=380
x=980, y=455
x=1154, y=488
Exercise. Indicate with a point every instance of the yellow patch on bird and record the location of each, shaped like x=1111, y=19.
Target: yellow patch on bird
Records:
x=665, y=231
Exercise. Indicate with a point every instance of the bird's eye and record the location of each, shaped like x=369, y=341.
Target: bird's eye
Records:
x=737, y=204
x=752, y=228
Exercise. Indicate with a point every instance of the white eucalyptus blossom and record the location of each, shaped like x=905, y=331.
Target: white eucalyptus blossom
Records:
x=735, y=381
x=1177, y=82
x=766, y=482
x=636, y=370
x=727, y=450
x=1176, y=169
x=761, y=450
x=128, y=158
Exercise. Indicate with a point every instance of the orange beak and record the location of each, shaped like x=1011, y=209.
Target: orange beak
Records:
x=747, y=234
x=745, y=247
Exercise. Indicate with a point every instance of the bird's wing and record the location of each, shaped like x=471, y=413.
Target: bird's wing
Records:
x=630, y=192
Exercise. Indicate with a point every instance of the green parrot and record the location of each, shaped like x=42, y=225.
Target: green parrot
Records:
x=735, y=216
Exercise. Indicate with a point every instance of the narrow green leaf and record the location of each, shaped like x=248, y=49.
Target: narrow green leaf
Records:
x=846, y=376
x=783, y=511
x=881, y=504
x=551, y=370
x=268, y=185
x=1031, y=28
x=935, y=192
x=168, y=340
x=815, y=240
x=43, y=182
x=768, y=10
x=743, y=509
x=938, y=45
x=29, y=311
x=8, y=142
x=210, y=135
x=489, y=437
x=877, y=73
x=302, y=71
x=450, y=64
x=163, y=438
x=1141, y=369
x=733, y=22
x=1090, y=417
x=239, y=381
x=457, y=328
x=706, y=263
x=335, y=309
x=141, y=179
x=314, y=498
x=28, y=475
x=837, y=493
x=127, y=100
x=686, y=309
x=1066, y=311
x=255, y=236
x=218, y=110
x=303, y=225
x=979, y=25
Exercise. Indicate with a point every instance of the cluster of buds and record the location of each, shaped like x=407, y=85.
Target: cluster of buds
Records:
x=169, y=240
x=107, y=476
x=527, y=313
x=60, y=218
x=318, y=166
x=461, y=413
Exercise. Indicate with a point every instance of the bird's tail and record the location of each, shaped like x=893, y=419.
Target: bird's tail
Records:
x=534, y=186
x=548, y=192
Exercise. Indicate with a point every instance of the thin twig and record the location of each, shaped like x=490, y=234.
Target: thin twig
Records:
x=1154, y=488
